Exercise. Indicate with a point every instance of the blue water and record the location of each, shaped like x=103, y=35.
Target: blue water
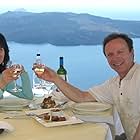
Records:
x=86, y=65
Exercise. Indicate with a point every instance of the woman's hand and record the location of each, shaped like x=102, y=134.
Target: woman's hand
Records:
x=18, y=70
x=7, y=77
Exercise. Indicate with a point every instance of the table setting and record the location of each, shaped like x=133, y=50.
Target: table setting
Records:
x=64, y=113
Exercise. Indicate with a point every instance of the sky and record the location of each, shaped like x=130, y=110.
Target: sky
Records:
x=115, y=9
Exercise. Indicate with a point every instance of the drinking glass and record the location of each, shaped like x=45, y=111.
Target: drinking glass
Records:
x=43, y=85
x=17, y=71
x=39, y=69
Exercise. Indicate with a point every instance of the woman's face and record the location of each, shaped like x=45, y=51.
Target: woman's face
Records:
x=119, y=57
x=2, y=54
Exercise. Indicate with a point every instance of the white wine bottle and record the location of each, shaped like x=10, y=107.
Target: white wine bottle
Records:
x=38, y=59
x=36, y=80
x=61, y=70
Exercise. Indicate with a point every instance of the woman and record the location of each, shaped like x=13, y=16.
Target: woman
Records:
x=6, y=74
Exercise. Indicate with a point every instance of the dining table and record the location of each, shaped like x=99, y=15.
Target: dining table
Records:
x=28, y=128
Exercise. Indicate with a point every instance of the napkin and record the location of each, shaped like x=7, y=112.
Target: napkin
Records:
x=6, y=126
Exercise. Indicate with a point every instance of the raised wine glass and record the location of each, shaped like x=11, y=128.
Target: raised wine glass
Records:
x=17, y=70
x=44, y=85
x=39, y=69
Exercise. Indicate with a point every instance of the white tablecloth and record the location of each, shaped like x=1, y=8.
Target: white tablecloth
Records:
x=30, y=129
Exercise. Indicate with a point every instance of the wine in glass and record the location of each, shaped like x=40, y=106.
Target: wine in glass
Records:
x=39, y=69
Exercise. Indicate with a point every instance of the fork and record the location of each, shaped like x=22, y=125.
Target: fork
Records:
x=21, y=116
x=60, y=105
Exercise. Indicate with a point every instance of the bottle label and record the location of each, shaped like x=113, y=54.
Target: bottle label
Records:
x=63, y=77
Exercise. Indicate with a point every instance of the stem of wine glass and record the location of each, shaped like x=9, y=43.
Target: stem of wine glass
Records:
x=16, y=89
x=51, y=87
x=15, y=84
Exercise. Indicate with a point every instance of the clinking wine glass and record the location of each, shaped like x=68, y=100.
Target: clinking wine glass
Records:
x=17, y=70
x=45, y=85
x=38, y=69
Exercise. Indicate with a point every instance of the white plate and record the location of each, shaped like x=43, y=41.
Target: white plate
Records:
x=93, y=112
x=13, y=103
x=96, y=119
x=69, y=119
x=91, y=107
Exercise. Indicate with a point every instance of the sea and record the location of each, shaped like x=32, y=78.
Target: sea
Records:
x=86, y=65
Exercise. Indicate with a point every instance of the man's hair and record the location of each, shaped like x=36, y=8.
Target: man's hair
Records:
x=113, y=36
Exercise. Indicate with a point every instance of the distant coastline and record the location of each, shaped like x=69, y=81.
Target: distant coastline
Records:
x=47, y=44
x=62, y=29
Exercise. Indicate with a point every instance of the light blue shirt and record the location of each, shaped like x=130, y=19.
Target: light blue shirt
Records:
x=26, y=92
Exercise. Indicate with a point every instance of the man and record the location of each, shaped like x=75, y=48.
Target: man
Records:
x=137, y=134
x=122, y=91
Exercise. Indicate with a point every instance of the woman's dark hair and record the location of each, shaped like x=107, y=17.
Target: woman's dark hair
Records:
x=4, y=45
x=113, y=36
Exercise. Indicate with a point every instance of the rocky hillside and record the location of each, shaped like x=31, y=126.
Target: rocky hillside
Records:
x=62, y=29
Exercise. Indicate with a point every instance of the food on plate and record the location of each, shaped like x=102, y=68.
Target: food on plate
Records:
x=57, y=118
x=48, y=103
x=44, y=116
x=53, y=115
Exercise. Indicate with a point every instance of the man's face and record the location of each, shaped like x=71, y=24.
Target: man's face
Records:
x=119, y=57
x=2, y=54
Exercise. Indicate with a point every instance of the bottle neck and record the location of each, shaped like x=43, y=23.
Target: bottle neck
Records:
x=38, y=58
x=37, y=55
x=61, y=62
